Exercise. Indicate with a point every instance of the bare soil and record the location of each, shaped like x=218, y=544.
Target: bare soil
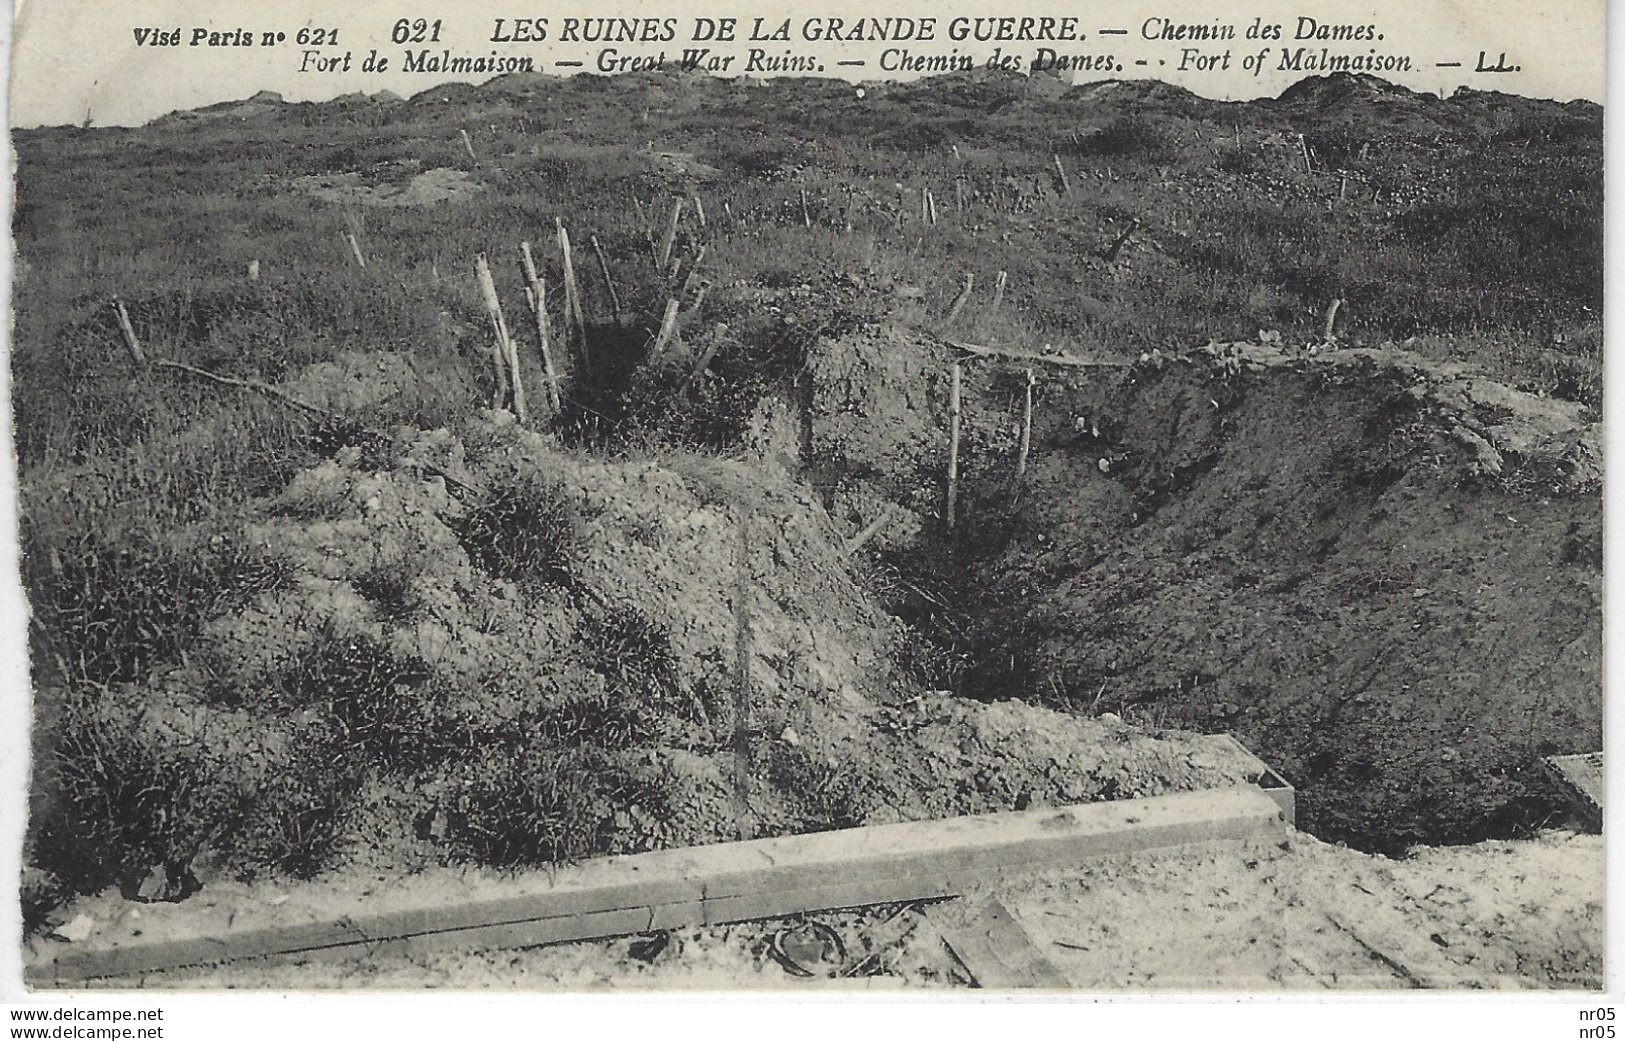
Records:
x=1382, y=572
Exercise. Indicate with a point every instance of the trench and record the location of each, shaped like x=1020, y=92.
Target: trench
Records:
x=1310, y=556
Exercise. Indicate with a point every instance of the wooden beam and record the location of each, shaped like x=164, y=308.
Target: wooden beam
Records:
x=1069, y=360
x=727, y=882
x=951, y=501
x=993, y=947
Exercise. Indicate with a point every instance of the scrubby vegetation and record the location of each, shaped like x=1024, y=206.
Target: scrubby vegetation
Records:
x=273, y=635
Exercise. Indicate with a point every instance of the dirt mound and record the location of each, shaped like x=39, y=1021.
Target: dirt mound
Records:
x=429, y=188
x=1382, y=572
x=484, y=648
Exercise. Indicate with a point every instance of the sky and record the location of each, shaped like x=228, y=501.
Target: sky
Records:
x=71, y=57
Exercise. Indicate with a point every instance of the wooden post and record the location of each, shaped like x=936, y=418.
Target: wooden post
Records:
x=952, y=501
x=131, y=342
x=1026, y=428
x=1122, y=240
x=959, y=195
x=699, y=300
x=998, y=292
x=468, y=146
x=1066, y=185
x=743, y=656
x=699, y=211
x=931, y=204
x=668, y=323
x=537, y=298
x=727, y=211
x=603, y=269
x=959, y=301
x=846, y=219
x=507, y=354
x=253, y=270
x=355, y=249
x=499, y=353
x=671, y=235
x=572, y=292
x=925, y=205
x=1303, y=146
x=704, y=361
x=694, y=265
x=1331, y=320
x=806, y=214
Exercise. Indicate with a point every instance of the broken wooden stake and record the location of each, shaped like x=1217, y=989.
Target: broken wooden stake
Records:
x=704, y=362
x=998, y=292
x=699, y=300
x=693, y=266
x=951, y=500
x=355, y=249
x=573, y=316
x=1122, y=240
x=959, y=301
x=699, y=212
x=507, y=356
x=668, y=323
x=131, y=342
x=253, y=270
x=1328, y=334
x=671, y=234
x=1026, y=444
x=869, y=531
x=1060, y=171
x=603, y=269
x=806, y=214
x=468, y=145
x=536, y=296
x=1303, y=146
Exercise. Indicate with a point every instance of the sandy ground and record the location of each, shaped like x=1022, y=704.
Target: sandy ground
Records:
x=1294, y=914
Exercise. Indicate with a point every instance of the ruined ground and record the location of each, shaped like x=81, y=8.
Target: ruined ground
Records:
x=387, y=627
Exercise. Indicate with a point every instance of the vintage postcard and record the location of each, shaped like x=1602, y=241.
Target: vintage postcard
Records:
x=1075, y=498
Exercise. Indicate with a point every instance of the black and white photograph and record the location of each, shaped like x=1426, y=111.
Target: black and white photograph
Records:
x=951, y=500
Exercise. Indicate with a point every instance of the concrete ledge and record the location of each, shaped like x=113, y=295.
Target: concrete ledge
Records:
x=727, y=882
